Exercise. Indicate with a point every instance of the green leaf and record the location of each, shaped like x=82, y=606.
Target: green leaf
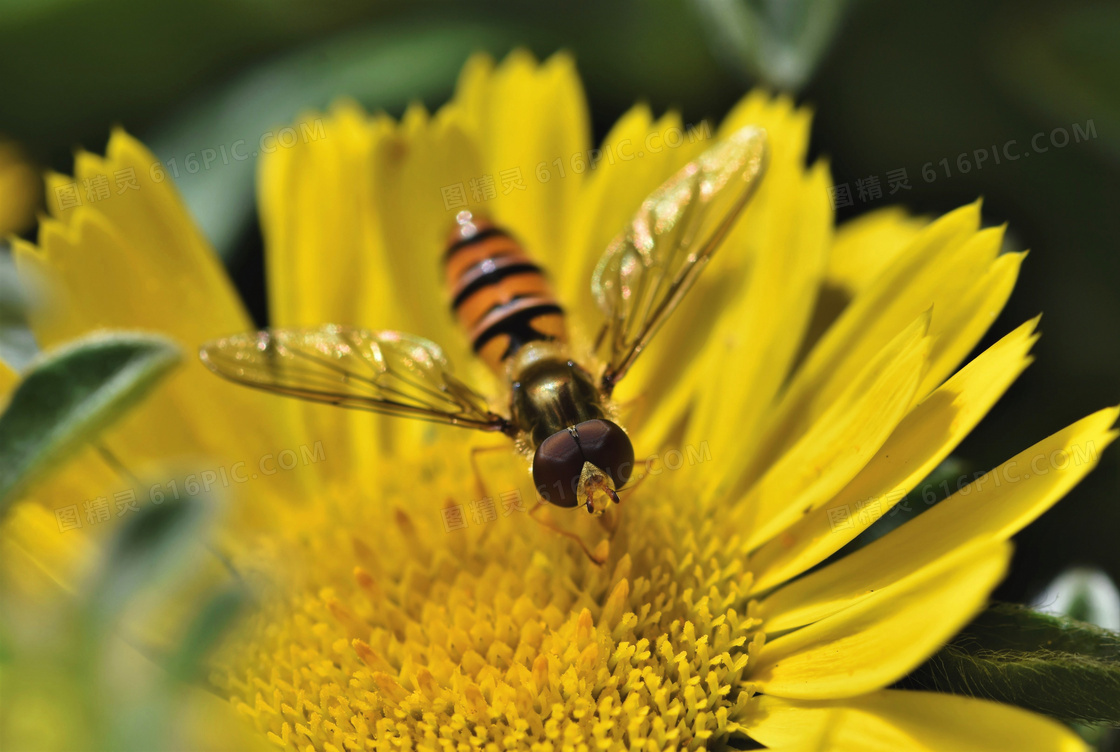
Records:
x=150, y=548
x=211, y=147
x=1066, y=669
x=779, y=41
x=70, y=396
x=206, y=630
x=17, y=344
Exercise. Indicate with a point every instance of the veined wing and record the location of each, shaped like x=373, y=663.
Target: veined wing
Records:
x=385, y=372
x=647, y=269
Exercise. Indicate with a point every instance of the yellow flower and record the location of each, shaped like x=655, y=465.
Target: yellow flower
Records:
x=380, y=630
x=20, y=189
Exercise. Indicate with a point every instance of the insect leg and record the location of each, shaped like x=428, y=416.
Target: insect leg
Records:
x=613, y=517
x=601, y=552
x=637, y=482
x=480, y=484
x=114, y=462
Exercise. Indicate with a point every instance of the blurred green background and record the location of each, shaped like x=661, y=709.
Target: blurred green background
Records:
x=894, y=86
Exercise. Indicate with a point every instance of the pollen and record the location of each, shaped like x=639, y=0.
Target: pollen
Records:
x=392, y=633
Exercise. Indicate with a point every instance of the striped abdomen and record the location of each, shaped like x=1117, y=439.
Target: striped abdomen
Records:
x=499, y=295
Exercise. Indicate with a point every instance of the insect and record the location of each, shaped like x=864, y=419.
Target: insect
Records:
x=559, y=411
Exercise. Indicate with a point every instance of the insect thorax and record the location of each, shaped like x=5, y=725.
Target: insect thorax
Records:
x=550, y=391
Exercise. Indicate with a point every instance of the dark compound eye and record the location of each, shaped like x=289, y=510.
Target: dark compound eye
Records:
x=559, y=459
x=556, y=468
x=606, y=446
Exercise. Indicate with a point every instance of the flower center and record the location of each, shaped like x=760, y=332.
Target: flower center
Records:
x=389, y=625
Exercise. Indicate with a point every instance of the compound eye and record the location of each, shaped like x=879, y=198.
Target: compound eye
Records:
x=557, y=465
x=606, y=446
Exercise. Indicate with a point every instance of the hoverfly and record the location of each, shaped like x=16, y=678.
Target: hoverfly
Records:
x=559, y=411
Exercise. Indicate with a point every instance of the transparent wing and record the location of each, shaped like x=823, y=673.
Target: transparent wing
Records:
x=647, y=269
x=384, y=372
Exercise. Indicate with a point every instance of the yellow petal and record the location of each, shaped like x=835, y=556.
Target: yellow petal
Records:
x=753, y=302
x=155, y=233
x=883, y=637
x=955, y=337
x=786, y=124
x=922, y=440
x=841, y=442
x=991, y=509
x=8, y=381
x=21, y=189
x=895, y=720
x=867, y=245
x=411, y=167
x=38, y=560
x=664, y=376
x=81, y=482
x=324, y=253
x=776, y=255
x=532, y=123
x=938, y=267
x=760, y=333
x=612, y=193
x=135, y=260
x=322, y=242
x=88, y=289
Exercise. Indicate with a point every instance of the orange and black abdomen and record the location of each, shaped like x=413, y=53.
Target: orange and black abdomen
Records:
x=501, y=297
